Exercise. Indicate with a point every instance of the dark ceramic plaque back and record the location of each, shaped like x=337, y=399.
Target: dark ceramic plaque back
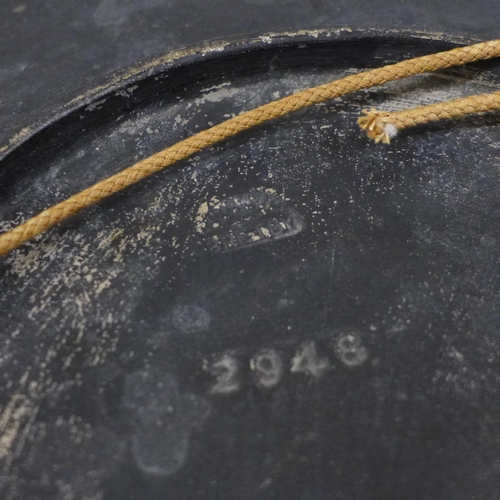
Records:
x=295, y=313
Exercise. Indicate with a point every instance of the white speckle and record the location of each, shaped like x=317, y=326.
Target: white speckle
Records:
x=453, y=353
x=217, y=95
x=216, y=87
x=95, y=105
x=200, y=217
x=283, y=303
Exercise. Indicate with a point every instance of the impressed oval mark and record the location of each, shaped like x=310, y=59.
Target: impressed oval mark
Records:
x=246, y=220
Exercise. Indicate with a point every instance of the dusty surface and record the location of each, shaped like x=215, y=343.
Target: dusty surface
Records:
x=330, y=287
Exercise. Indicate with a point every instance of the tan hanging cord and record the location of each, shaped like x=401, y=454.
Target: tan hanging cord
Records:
x=382, y=126
x=183, y=149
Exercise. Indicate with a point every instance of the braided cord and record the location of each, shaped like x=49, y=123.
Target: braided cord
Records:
x=183, y=149
x=382, y=126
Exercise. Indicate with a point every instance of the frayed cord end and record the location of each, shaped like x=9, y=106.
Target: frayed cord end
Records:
x=378, y=126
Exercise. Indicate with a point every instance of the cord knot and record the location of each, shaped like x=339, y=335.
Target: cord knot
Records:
x=378, y=126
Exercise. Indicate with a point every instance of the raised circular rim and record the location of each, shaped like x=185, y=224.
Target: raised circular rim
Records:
x=212, y=51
